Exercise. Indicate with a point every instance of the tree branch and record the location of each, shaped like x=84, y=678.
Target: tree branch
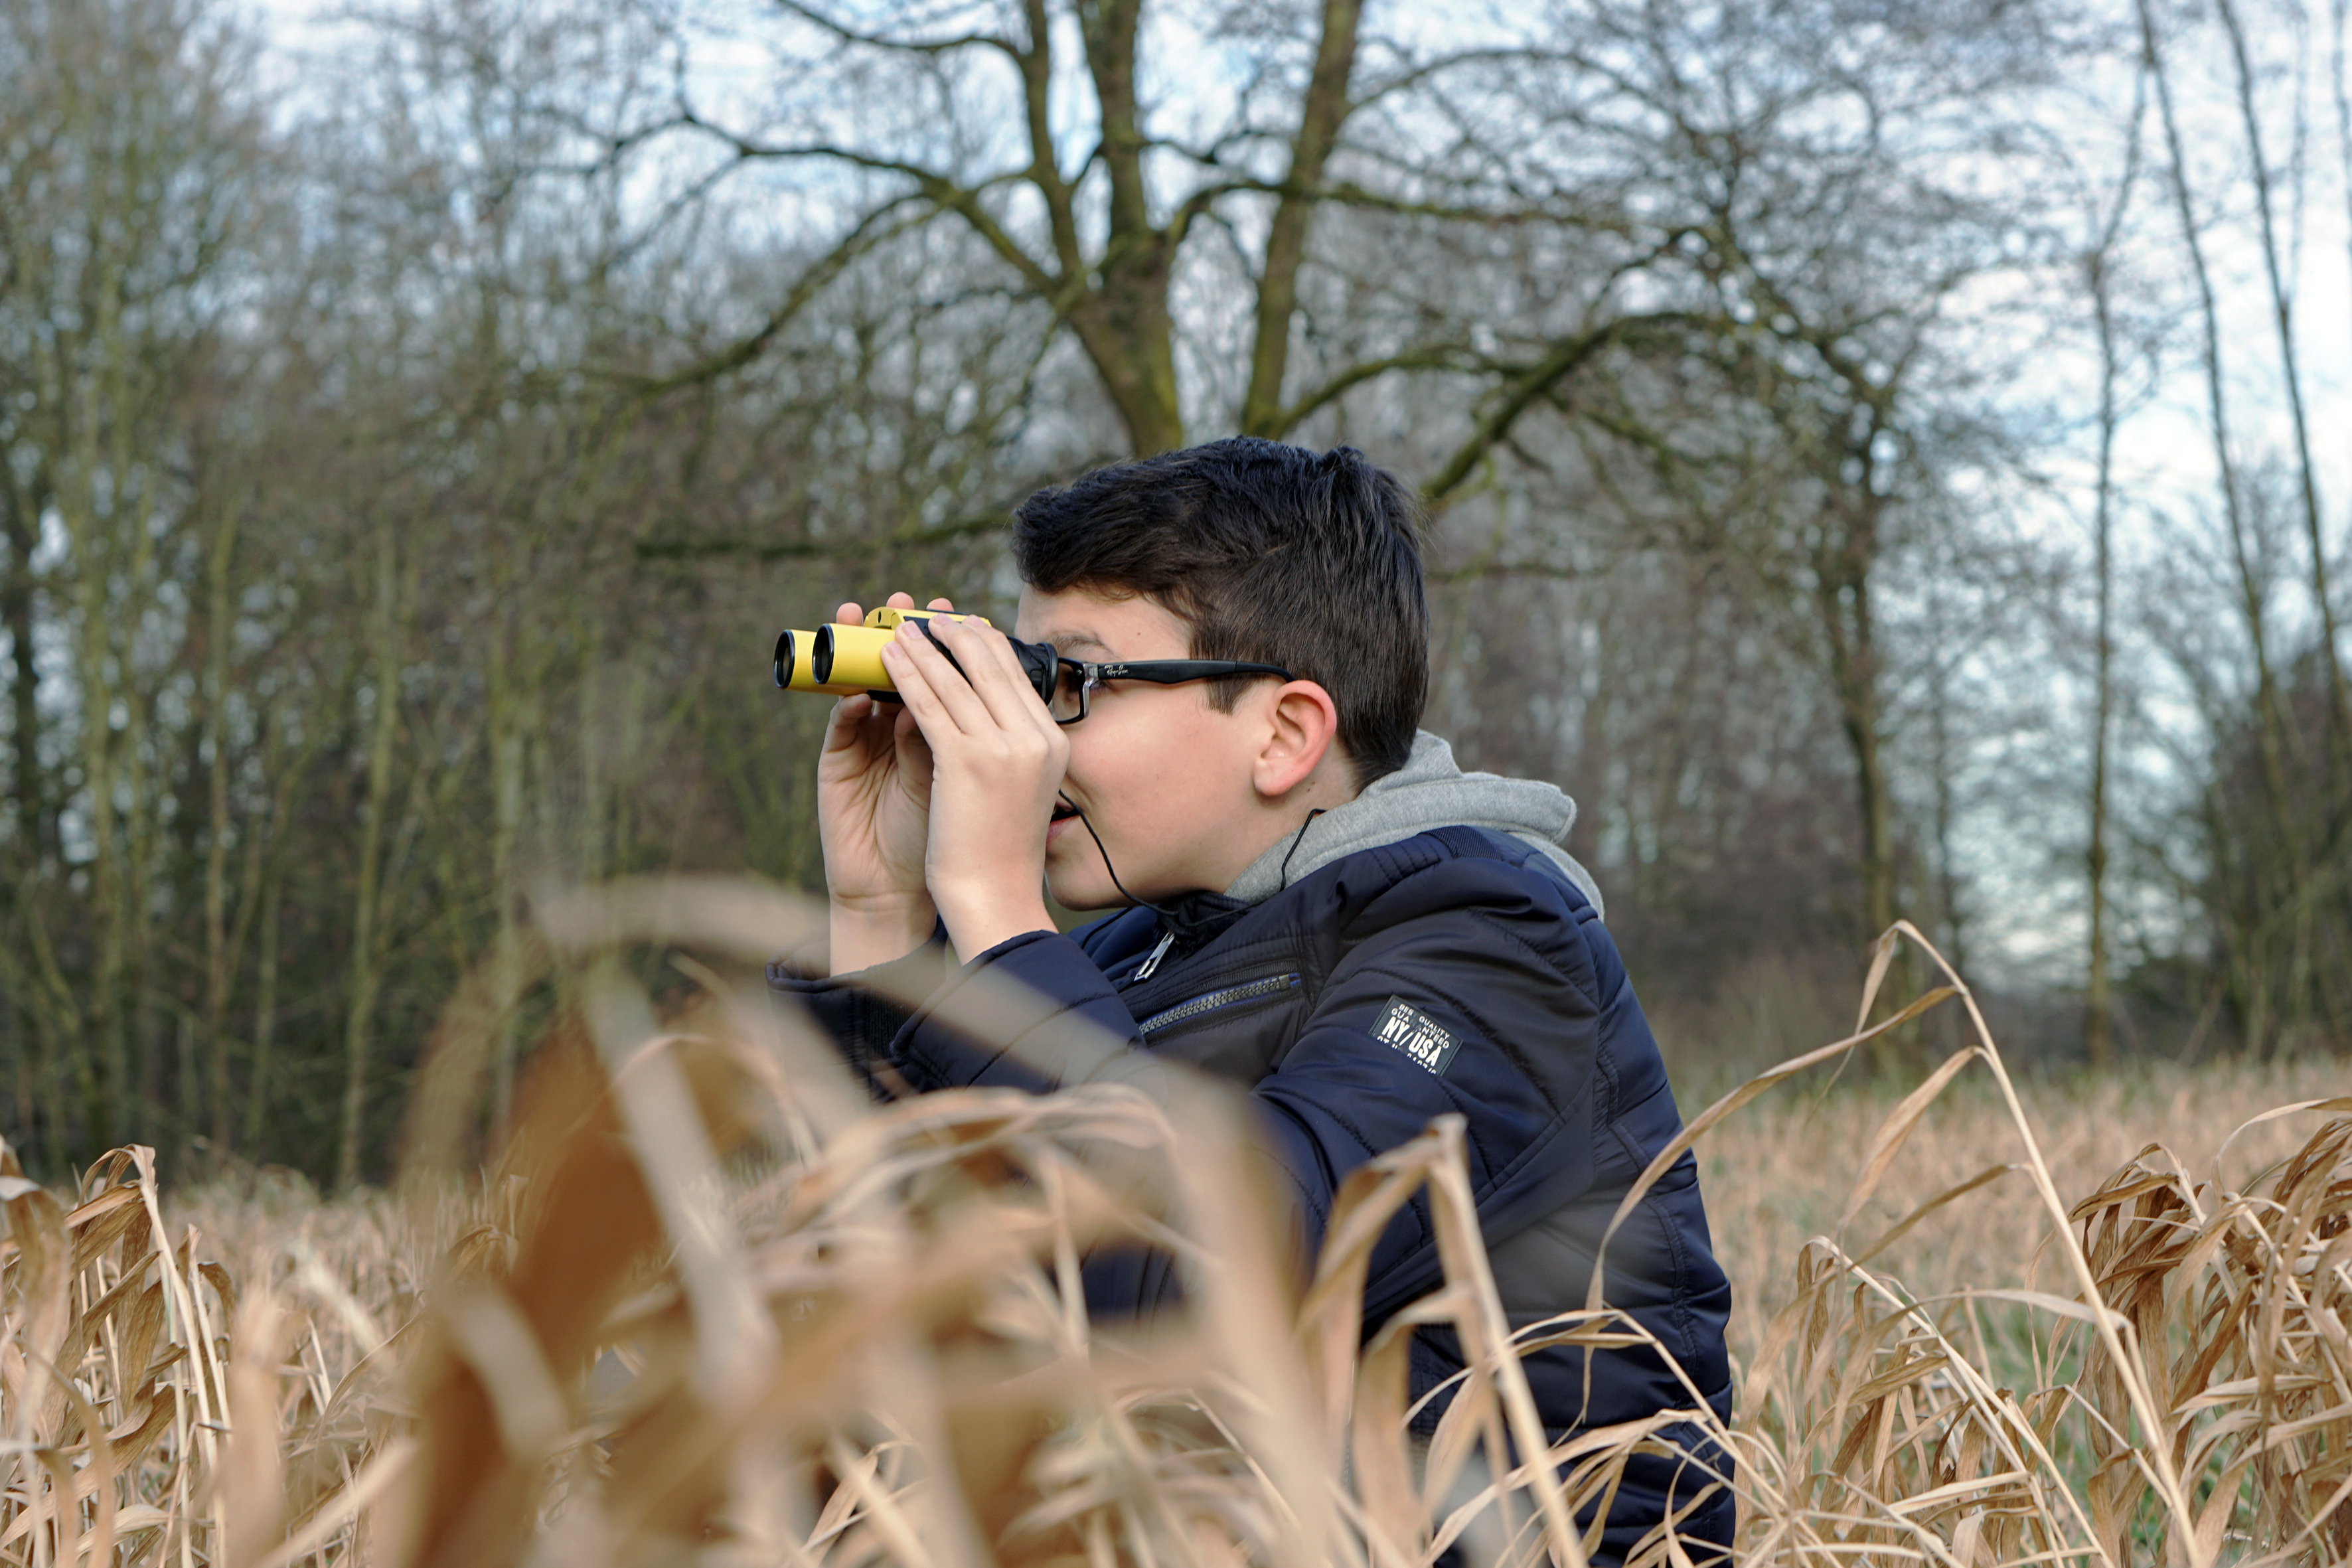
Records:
x=1433, y=356
x=806, y=287
x=933, y=47
x=1037, y=63
x=935, y=188
x=1536, y=381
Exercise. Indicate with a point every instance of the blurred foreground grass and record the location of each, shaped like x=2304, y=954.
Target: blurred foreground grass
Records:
x=707, y=1306
x=1775, y=1174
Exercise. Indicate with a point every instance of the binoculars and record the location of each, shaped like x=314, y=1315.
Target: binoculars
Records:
x=840, y=661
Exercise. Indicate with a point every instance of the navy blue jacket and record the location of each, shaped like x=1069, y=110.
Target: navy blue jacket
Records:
x=1458, y=971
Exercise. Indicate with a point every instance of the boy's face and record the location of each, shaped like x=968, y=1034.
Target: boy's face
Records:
x=1165, y=779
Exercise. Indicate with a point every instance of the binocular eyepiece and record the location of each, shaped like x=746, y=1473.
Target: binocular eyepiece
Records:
x=840, y=661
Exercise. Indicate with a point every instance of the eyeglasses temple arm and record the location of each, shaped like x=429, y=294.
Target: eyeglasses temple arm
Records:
x=1176, y=671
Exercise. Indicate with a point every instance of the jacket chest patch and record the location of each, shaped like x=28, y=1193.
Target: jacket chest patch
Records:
x=1417, y=1034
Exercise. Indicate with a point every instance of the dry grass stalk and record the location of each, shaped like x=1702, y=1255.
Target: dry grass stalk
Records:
x=710, y=1306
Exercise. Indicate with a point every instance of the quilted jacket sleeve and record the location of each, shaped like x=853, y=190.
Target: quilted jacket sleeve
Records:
x=865, y=1010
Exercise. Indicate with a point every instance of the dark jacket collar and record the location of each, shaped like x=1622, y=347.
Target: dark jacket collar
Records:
x=1195, y=920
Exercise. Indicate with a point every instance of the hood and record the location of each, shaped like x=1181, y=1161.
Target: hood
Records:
x=1430, y=791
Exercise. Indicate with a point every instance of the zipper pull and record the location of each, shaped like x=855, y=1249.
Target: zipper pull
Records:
x=1143, y=971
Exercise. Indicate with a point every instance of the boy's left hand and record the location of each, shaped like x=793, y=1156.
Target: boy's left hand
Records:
x=997, y=759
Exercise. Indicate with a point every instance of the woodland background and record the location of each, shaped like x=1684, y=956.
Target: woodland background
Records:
x=1884, y=458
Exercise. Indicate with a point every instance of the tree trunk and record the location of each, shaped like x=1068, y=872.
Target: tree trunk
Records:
x=507, y=759
x=2342, y=85
x=2283, y=315
x=1124, y=324
x=1947, y=874
x=1874, y=803
x=19, y=1032
x=1841, y=599
x=367, y=959
x=17, y=624
x=219, y=962
x=1320, y=115
x=264, y=1025
x=2098, y=1012
x=2098, y=1017
x=132, y=511
x=26, y=787
x=2269, y=717
x=107, y=1034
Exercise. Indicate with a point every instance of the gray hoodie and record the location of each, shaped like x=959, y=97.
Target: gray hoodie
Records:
x=1430, y=791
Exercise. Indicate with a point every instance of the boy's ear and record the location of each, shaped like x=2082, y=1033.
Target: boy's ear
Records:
x=1301, y=724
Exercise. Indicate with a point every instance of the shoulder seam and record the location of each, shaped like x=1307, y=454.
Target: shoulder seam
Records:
x=1500, y=930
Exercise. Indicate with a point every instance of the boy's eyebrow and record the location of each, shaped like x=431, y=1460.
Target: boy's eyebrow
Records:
x=1077, y=638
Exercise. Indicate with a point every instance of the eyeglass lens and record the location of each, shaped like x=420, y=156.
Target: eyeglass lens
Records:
x=1069, y=704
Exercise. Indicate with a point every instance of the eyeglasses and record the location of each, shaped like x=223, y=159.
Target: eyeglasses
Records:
x=1074, y=689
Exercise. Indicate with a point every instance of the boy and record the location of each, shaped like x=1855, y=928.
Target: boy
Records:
x=1316, y=903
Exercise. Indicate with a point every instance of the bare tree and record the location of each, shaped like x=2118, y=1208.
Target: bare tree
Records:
x=2282, y=301
x=1103, y=219
x=1799, y=429
x=2273, y=869
x=2099, y=268
x=2340, y=90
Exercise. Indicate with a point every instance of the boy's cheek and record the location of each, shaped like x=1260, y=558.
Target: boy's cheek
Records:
x=1074, y=884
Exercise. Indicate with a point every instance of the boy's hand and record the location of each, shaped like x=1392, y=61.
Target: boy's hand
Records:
x=872, y=812
x=997, y=759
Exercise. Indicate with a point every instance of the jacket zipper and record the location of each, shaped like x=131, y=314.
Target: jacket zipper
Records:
x=1143, y=971
x=1248, y=992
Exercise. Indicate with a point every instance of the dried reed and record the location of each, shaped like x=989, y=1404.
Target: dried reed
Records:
x=709, y=1305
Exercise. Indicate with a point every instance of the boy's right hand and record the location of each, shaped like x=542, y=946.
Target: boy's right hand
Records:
x=873, y=811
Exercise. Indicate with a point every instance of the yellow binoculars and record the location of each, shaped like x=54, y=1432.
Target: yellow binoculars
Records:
x=840, y=661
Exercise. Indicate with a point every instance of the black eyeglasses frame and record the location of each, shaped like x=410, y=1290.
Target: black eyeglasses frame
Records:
x=1157, y=672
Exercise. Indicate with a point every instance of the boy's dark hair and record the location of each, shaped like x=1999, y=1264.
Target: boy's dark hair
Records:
x=1270, y=554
